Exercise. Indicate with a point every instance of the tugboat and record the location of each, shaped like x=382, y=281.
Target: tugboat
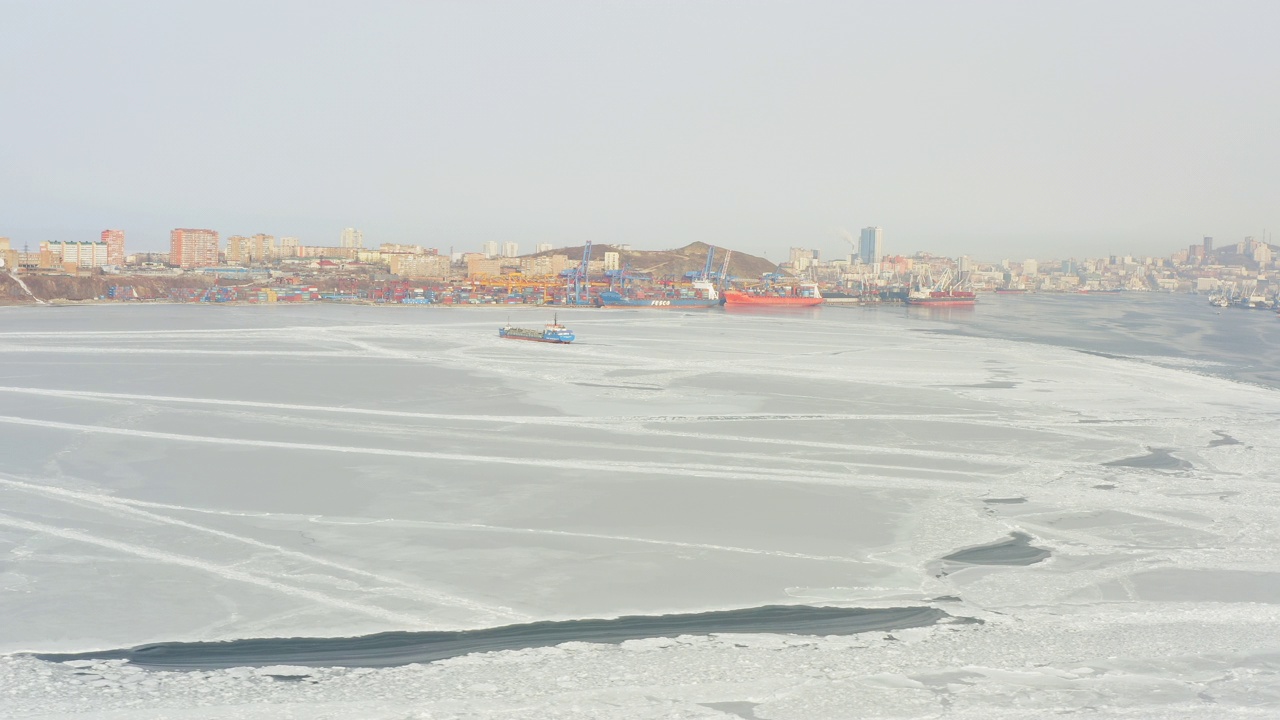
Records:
x=554, y=332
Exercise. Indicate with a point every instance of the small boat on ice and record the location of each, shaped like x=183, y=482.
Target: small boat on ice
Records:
x=554, y=332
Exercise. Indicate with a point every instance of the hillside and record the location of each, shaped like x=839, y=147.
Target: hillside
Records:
x=675, y=263
x=88, y=287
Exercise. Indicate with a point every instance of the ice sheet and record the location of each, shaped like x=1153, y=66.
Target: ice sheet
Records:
x=203, y=473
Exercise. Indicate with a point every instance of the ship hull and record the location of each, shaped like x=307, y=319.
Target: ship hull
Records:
x=943, y=302
x=614, y=300
x=732, y=297
x=557, y=335
x=553, y=341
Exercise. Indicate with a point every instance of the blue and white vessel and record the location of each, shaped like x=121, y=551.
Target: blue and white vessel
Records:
x=554, y=332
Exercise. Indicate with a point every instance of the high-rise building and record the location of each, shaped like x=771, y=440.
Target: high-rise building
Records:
x=352, y=238
x=871, y=245
x=193, y=248
x=114, y=240
x=802, y=258
x=254, y=250
x=543, y=247
x=1208, y=245
x=238, y=250
x=490, y=249
x=612, y=260
x=263, y=247
x=510, y=249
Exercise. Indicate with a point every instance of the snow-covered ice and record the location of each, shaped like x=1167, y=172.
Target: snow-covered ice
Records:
x=177, y=473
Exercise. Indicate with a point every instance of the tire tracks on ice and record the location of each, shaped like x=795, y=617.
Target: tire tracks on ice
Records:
x=222, y=571
x=129, y=507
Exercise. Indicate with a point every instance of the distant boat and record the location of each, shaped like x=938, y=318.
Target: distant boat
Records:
x=554, y=332
x=944, y=293
x=942, y=298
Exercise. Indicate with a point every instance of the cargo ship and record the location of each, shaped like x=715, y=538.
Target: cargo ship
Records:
x=942, y=298
x=802, y=295
x=554, y=332
x=945, y=292
x=704, y=295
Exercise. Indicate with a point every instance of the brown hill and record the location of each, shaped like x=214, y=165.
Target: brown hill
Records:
x=88, y=287
x=668, y=264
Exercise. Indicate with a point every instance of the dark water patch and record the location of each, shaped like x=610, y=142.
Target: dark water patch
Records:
x=1109, y=356
x=650, y=388
x=1223, y=439
x=741, y=708
x=403, y=648
x=1005, y=501
x=997, y=384
x=1155, y=459
x=1106, y=486
x=1017, y=550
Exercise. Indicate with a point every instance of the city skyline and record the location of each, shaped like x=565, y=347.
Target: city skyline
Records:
x=994, y=129
x=869, y=245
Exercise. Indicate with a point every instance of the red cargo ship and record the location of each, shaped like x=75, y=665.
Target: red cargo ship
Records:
x=945, y=292
x=802, y=295
x=942, y=298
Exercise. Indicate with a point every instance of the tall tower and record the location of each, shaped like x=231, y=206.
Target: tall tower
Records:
x=190, y=248
x=871, y=245
x=115, y=246
x=352, y=238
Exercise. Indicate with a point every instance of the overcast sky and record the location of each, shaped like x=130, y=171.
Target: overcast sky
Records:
x=995, y=129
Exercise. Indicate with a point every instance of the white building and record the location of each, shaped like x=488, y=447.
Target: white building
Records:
x=543, y=247
x=871, y=245
x=612, y=260
x=490, y=249
x=352, y=238
x=510, y=249
x=81, y=254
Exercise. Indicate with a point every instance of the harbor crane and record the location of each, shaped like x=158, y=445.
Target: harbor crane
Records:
x=578, y=284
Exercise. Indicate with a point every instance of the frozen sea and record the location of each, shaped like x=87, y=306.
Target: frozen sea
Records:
x=1086, y=489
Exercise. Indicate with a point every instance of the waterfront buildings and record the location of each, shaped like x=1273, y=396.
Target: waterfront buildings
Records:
x=114, y=240
x=255, y=250
x=77, y=254
x=543, y=265
x=417, y=264
x=193, y=248
x=484, y=267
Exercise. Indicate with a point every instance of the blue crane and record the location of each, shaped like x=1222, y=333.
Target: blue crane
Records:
x=578, y=287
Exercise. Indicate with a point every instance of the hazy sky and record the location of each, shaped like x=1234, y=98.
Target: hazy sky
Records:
x=996, y=129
